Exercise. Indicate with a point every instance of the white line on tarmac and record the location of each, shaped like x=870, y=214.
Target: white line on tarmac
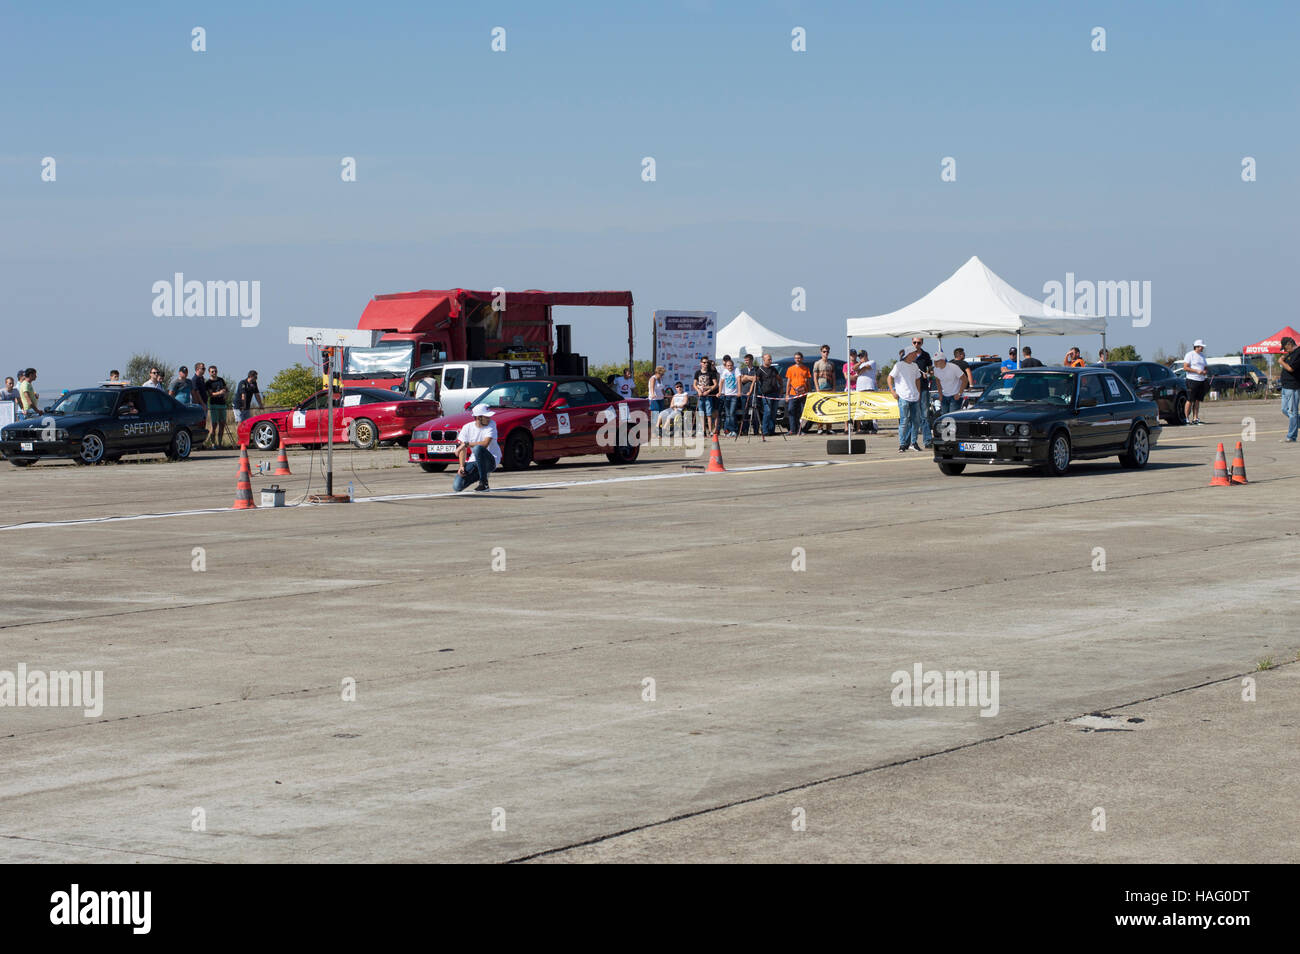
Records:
x=84, y=521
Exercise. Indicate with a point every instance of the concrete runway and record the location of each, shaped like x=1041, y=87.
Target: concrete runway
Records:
x=504, y=714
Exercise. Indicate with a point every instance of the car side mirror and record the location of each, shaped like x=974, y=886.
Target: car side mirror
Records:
x=560, y=405
x=1142, y=381
x=467, y=405
x=395, y=387
x=1087, y=402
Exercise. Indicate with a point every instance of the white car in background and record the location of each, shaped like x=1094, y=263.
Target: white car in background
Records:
x=458, y=384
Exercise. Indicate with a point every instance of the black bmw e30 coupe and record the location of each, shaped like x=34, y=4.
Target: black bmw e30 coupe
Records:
x=1046, y=418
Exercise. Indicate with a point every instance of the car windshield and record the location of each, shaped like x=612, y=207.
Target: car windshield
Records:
x=1020, y=387
x=85, y=402
x=517, y=394
x=985, y=373
x=385, y=361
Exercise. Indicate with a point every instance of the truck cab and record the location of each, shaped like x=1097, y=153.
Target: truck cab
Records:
x=458, y=384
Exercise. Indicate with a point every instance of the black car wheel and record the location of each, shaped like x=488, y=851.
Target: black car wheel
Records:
x=19, y=462
x=181, y=446
x=1179, y=416
x=92, y=448
x=548, y=462
x=951, y=468
x=1139, y=449
x=265, y=436
x=365, y=436
x=432, y=468
x=624, y=455
x=518, y=452
x=1058, y=455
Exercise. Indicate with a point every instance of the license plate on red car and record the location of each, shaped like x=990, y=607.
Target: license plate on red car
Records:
x=442, y=448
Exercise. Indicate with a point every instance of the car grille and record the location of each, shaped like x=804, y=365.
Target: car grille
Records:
x=441, y=437
x=23, y=434
x=974, y=429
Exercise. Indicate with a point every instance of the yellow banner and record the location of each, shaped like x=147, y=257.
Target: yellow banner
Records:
x=830, y=407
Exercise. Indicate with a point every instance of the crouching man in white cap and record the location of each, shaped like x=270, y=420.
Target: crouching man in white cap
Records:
x=478, y=450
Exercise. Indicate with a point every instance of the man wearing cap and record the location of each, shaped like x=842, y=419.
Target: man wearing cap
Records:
x=478, y=450
x=904, y=384
x=952, y=381
x=1197, y=369
x=1289, y=364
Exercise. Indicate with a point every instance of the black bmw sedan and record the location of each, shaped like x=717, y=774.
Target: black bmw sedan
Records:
x=97, y=424
x=1046, y=418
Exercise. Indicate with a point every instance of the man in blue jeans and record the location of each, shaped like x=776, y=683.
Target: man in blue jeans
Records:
x=768, y=387
x=478, y=450
x=951, y=380
x=904, y=384
x=1289, y=363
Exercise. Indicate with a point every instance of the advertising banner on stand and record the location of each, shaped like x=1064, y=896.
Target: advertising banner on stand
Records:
x=681, y=339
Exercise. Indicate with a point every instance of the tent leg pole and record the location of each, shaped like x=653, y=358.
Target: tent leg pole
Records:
x=848, y=394
x=1103, y=343
x=1018, y=352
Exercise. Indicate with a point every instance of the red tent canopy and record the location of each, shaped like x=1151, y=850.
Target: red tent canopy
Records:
x=1273, y=343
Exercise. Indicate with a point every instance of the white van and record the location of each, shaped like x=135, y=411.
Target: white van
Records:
x=458, y=384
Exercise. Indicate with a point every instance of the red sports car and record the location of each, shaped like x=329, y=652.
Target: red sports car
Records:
x=366, y=416
x=542, y=420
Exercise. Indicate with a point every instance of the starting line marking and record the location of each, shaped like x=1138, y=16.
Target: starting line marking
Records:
x=381, y=498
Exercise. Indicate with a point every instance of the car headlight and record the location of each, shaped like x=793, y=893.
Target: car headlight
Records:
x=1009, y=428
x=420, y=436
x=1024, y=430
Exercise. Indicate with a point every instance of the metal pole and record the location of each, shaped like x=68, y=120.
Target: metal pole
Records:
x=1017, y=350
x=329, y=440
x=631, y=361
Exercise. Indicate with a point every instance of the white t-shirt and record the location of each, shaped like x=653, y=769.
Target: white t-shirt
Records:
x=680, y=399
x=625, y=386
x=153, y=384
x=730, y=381
x=951, y=378
x=473, y=432
x=905, y=376
x=656, y=388
x=1198, y=365
x=866, y=376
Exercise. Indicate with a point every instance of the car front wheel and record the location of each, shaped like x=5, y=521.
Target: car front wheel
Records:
x=1058, y=456
x=92, y=448
x=1139, y=449
x=624, y=455
x=432, y=468
x=518, y=452
x=19, y=462
x=952, y=469
x=265, y=436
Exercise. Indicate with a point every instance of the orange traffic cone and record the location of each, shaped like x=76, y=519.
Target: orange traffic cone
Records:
x=715, y=457
x=1220, y=478
x=282, y=463
x=1239, y=466
x=243, y=489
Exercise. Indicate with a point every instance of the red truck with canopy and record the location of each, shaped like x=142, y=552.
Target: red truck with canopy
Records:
x=426, y=326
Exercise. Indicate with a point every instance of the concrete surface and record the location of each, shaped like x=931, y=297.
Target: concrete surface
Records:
x=522, y=689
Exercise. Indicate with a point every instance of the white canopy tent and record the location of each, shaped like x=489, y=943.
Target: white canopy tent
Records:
x=975, y=302
x=745, y=335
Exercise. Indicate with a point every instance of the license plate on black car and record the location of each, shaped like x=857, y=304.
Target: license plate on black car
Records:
x=977, y=447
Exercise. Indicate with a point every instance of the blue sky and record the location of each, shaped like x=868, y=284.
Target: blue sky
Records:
x=522, y=169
